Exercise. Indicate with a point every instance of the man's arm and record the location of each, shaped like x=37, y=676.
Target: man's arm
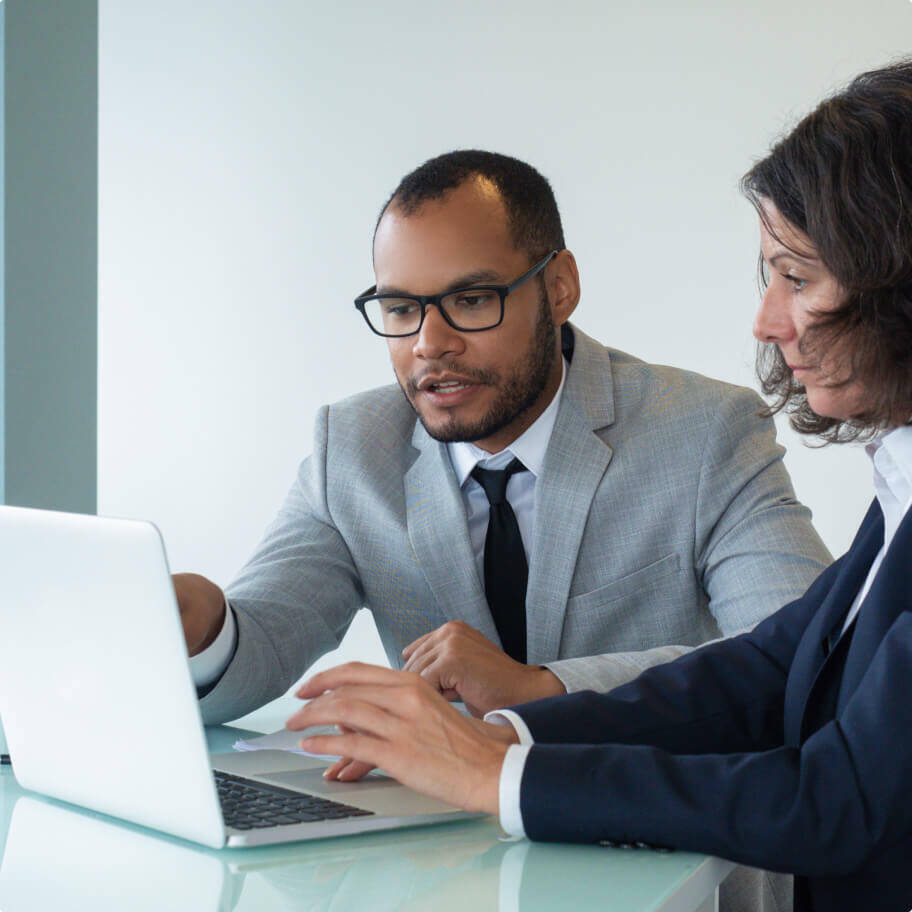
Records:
x=755, y=548
x=293, y=600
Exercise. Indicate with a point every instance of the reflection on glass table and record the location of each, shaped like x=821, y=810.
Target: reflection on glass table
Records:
x=56, y=858
x=54, y=855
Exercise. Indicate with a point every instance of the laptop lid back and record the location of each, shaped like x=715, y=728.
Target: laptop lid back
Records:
x=95, y=689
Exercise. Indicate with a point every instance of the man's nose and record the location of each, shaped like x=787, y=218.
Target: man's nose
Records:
x=437, y=338
x=773, y=320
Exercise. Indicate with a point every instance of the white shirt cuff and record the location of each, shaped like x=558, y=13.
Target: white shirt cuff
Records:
x=209, y=665
x=511, y=774
x=508, y=717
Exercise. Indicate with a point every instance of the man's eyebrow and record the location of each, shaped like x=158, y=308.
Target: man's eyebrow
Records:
x=480, y=276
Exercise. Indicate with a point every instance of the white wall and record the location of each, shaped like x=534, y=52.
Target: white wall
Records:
x=245, y=150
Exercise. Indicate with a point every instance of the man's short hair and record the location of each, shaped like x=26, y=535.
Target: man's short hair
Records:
x=532, y=215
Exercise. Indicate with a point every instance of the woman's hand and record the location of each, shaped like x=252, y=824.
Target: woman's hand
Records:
x=397, y=721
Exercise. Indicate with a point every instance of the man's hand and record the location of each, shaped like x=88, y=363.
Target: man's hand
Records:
x=397, y=721
x=202, y=609
x=465, y=665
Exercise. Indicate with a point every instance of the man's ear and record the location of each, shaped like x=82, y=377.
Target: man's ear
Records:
x=563, y=284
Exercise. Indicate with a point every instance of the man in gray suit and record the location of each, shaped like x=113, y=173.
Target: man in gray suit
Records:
x=653, y=506
x=649, y=510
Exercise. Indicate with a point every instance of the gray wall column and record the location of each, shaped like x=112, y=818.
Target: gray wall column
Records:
x=2, y=257
x=51, y=252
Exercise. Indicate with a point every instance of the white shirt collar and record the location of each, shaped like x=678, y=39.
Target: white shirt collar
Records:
x=891, y=455
x=529, y=448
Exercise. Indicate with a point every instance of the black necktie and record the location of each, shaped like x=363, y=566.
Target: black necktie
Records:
x=506, y=572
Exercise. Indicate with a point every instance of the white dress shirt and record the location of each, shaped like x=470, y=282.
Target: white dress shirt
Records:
x=529, y=449
x=891, y=455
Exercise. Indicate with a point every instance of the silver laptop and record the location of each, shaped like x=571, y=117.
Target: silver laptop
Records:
x=100, y=709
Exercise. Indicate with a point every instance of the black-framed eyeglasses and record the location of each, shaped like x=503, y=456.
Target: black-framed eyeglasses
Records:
x=471, y=309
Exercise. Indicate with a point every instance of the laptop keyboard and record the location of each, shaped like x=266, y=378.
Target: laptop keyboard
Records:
x=248, y=805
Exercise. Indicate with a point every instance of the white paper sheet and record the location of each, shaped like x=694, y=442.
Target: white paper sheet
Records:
x=287, y=740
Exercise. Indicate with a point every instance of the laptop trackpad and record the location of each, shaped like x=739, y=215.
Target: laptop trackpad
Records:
x=311, y=780
x=376, y=792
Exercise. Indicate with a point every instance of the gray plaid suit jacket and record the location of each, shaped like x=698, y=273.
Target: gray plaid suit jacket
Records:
x=664, y=518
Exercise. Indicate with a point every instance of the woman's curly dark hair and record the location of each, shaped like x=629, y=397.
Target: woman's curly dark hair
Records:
x=843, y=176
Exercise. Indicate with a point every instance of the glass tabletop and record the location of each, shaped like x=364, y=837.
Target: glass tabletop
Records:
x=58, y=856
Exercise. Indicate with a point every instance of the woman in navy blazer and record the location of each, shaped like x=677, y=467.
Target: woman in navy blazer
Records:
x=790, y=747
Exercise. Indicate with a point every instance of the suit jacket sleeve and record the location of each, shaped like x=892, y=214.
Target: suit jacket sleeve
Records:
x=755, y=548
x=691, y=755
x=293, y=600
x=695, y=704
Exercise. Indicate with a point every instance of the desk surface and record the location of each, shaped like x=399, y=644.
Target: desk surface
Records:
x=56, y=857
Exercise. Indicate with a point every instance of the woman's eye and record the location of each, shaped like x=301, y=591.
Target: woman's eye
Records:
x=797, y=284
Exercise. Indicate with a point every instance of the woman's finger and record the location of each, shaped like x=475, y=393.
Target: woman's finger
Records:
x=350, y=673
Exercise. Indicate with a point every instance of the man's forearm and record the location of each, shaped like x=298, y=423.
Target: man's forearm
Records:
x=604, y=672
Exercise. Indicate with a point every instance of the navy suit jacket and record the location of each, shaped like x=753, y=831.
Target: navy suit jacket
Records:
x=787, y=748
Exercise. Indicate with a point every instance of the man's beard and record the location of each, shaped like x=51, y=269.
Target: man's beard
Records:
x=517, y=394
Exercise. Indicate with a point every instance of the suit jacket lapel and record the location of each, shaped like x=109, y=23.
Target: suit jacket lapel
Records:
x=575, y=462
x=438, y=532
x=817, y=668
x=887, y=598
